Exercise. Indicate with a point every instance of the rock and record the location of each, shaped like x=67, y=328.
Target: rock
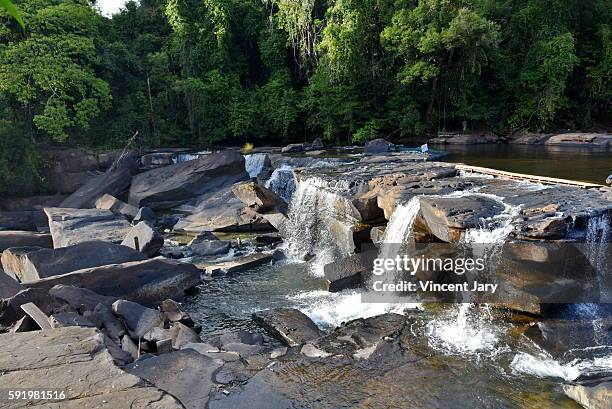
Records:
x=157, y=159
x=288, y=325
x=17, y=220
x=80, y=299
x=30, y=202
x=145, y=238
x=377, y=146
x=29, y=264
x=256, y=197
x=238, y=264
x=75, y=360
x=549, y=228
x=9, y=286
x=130, y=347
x=24, y=324
x=462, y=139
x=108, y=202
x=313, y=352
x=293, y=147
x=113, y=183
x=317, y=144
x=10, y=308
x=206, y=244
x=39, y=317
x=15, y=238
x=145, y=214
x=377, y=234
x=278, y=352
x=591, y=397
x=258, y=165
x=164, y=346
x=186, y=375
x=72, y=226
x=212, y=351
x=182, y=335
x=173, y=185
x=348, y=272
x=146, y=282
x=174, y=312
x=112, y=326
x=559, y=336
x=581, y=139
x=69, y=319
x=138, y=319
x=448, y=218
x=222, y=211
x=367, y=206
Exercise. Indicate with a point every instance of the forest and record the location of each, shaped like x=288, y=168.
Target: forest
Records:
x=206, y=73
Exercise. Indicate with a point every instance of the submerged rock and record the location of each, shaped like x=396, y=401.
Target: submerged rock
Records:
x=288, y=325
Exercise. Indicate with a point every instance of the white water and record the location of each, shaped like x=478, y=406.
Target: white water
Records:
x=316, y=208
x=254, y=163
x=282, y=182
x=399, y=226
x=597, y=233
x=542, y=365
x=329, y=310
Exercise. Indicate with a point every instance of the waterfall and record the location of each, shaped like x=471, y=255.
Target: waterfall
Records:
x=597, y=236
x=282, y=182
x=318, y=210
x=254, y=163
x=399, y=227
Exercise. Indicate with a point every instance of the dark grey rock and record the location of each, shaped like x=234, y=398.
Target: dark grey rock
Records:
x=377, y=146
x=175, y=312
x=138, y=319
x=15, y=238
x=145, y=238
x=80, y=299
x=206, y=244
x=145, y=214
x=113, y=183
x=69, y=319
x=288, y=325
x=293, y=148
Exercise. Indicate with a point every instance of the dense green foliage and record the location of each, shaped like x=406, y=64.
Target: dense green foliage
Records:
x=210, y=72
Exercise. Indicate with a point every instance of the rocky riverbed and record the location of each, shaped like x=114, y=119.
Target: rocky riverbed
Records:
x=225, y=280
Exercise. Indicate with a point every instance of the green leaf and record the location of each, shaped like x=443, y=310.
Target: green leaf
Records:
x=12, y=10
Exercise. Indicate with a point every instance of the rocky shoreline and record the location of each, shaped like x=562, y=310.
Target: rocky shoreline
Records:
x=93, y=279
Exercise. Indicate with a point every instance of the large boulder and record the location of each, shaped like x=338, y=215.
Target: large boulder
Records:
x=8, y=285
x=223, y=212
x=137, y=318
x=33, y=263
x=145, y=238
x=173, y=185
x=109, y=202
x=581, y=139
x=288, y=325
x=146, y=282
x=17, y=238
x=186, y=375
x=76, y=361
x=113, y=183
x=447, y=218
x=256, y=197
x=377, y=146
x=206, y=244
x=72, y=226
x=293, y=148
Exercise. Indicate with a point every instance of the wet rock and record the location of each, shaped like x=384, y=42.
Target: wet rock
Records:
x=238, y=264
x=367, y=205
x=448, y=218
x=186, y=375
x=559, y=336
x=29, y=264
x=145, y=238
x=174, y=312
x=550, y=228
x=75, y=360
x=377, y=233
x=173, y=185
x=288, y=325
x=15, y=238
x=108, y=202
x=596, y=396
x=293, y=148
x=147, y=281
x=206, y=244
x=256, y=197
x=137, y=319
x=145, y=214
x=72, y=226
x=113, y=183
x=348, y=272
x=377, y=146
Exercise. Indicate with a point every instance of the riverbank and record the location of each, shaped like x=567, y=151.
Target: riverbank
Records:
x=256, y=248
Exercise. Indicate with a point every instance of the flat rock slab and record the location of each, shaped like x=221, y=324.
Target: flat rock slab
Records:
x=147, y=282
x=237, y=265
x=74, y=360
x=17, y=238
x=288, y=325
x=72, y=226
x=32, y=263
x=186, y=375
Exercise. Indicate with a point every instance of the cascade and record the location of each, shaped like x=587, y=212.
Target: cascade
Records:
x=282, y=182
